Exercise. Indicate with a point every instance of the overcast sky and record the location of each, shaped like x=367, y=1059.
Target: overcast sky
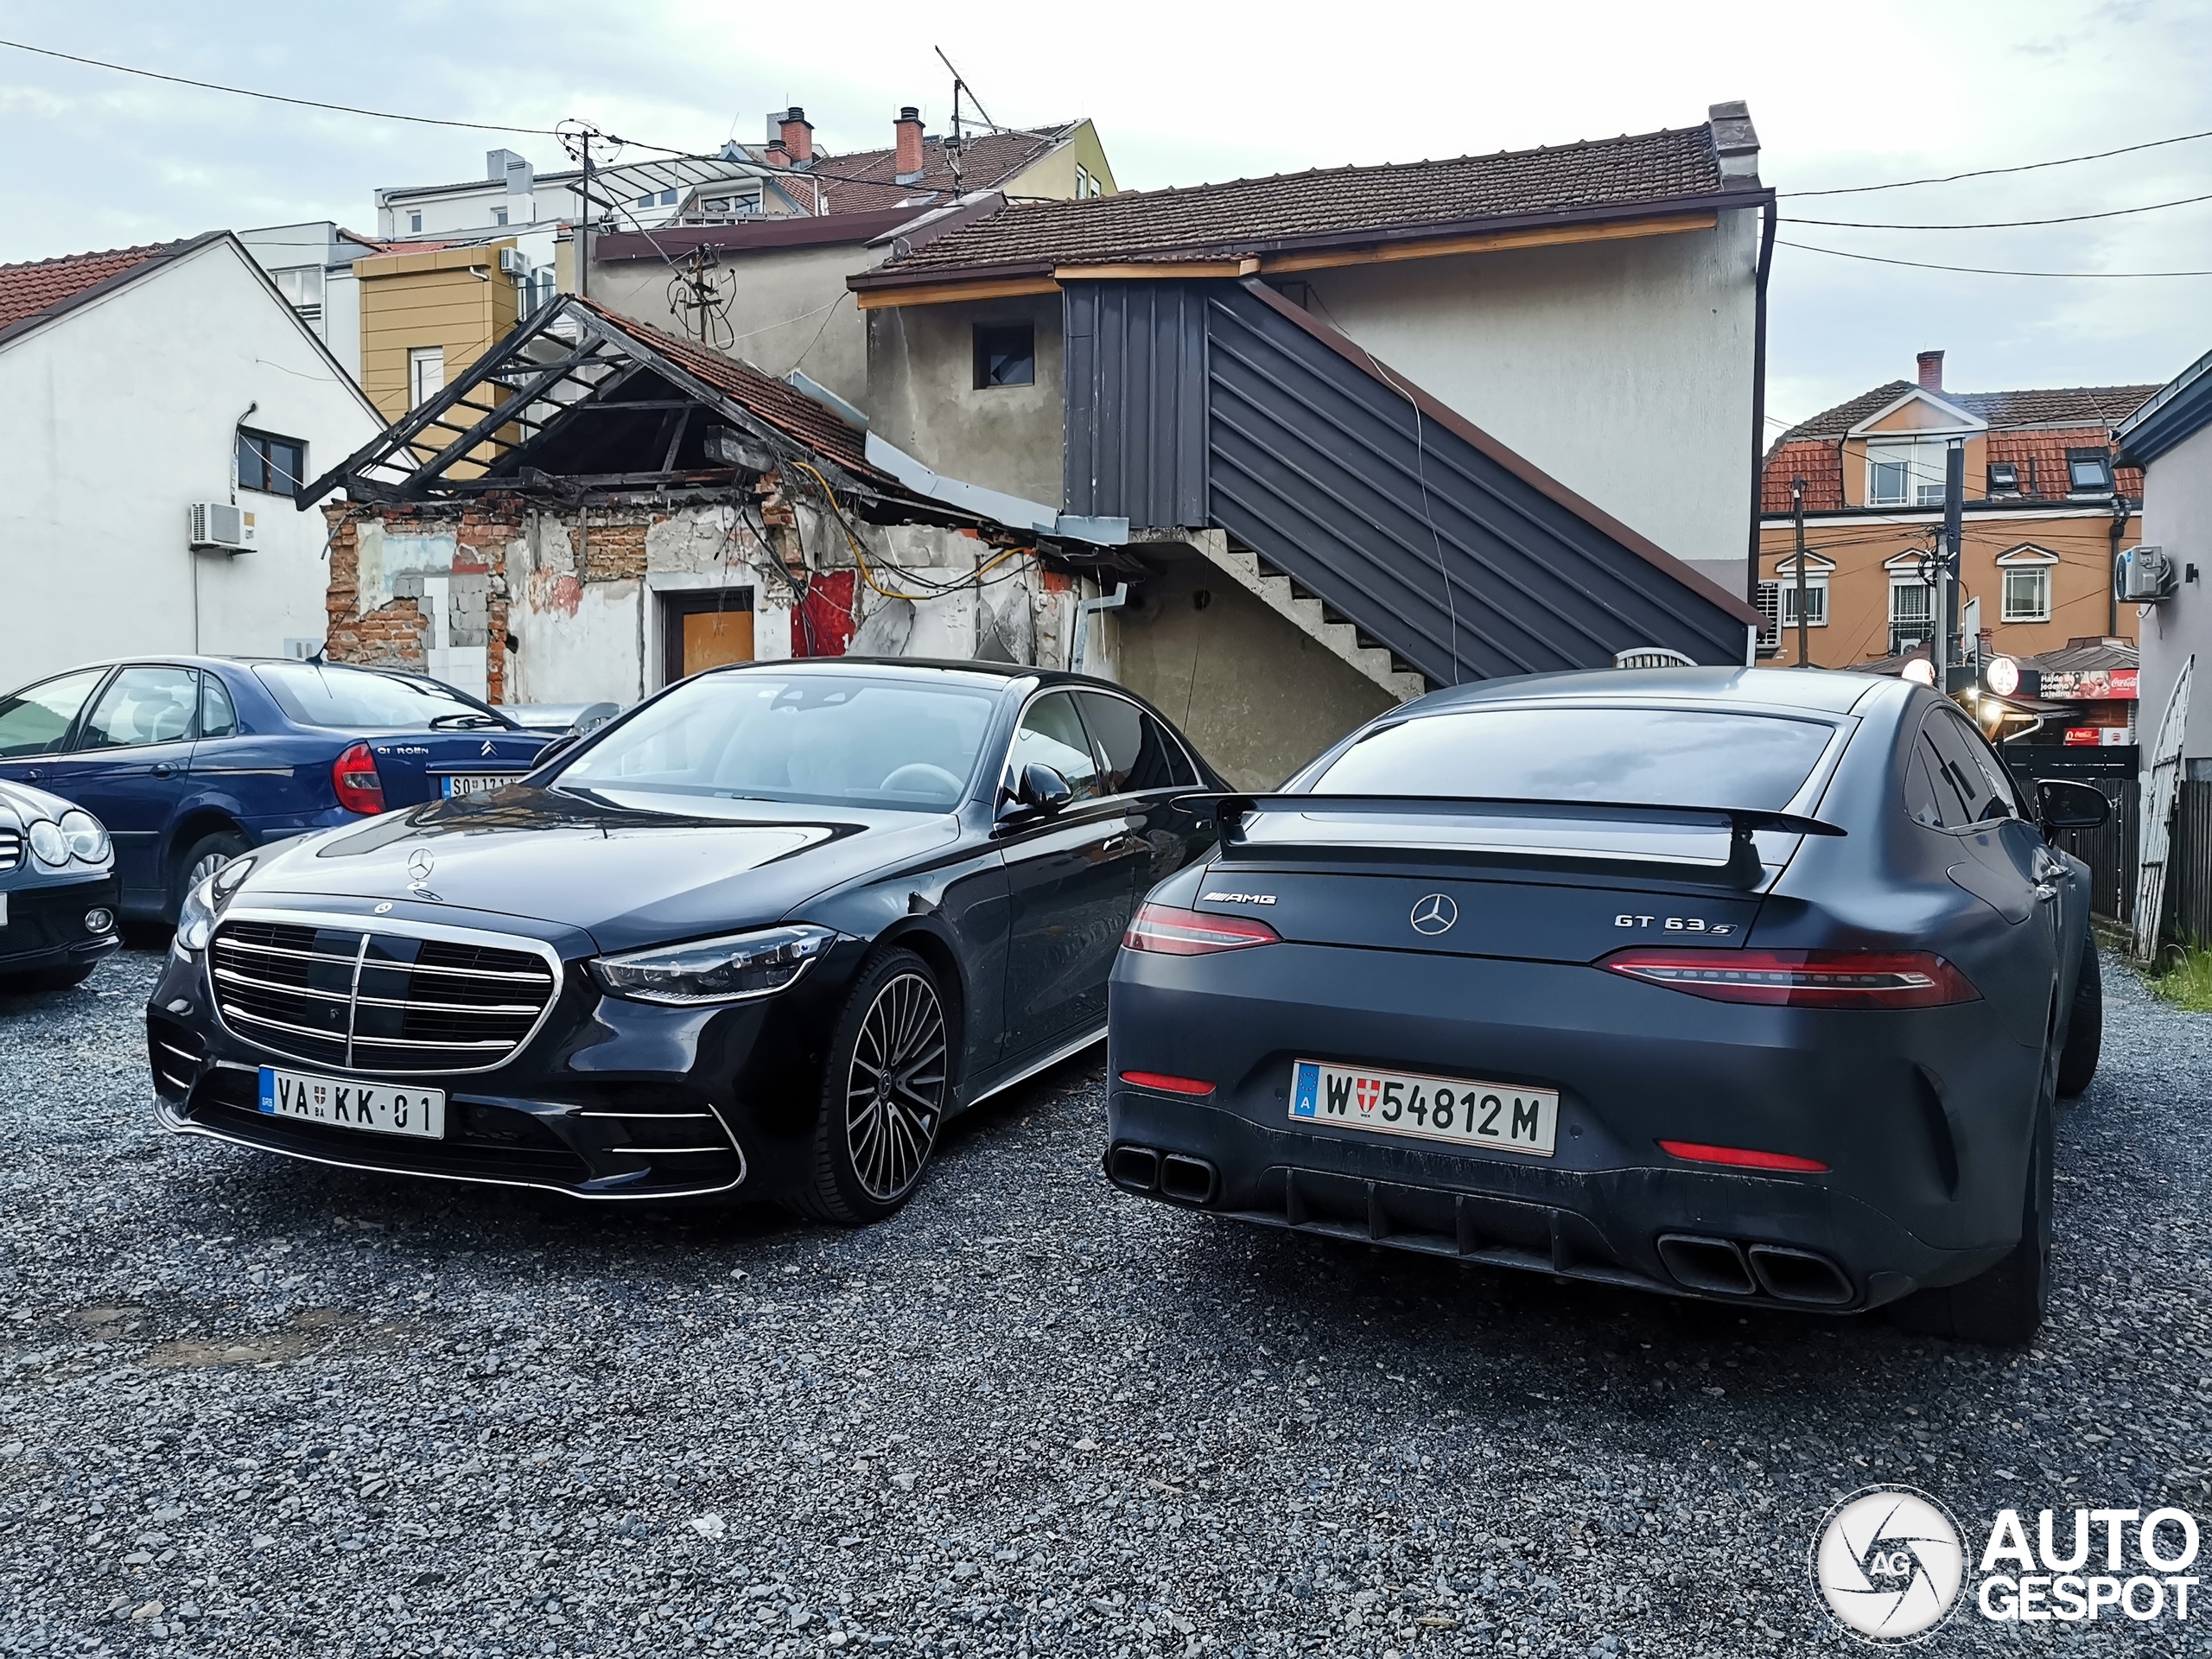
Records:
x=1184, y=92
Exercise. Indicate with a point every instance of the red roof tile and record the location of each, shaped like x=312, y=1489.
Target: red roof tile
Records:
x=2040, y=425
x=28, y=291
x=864, y=182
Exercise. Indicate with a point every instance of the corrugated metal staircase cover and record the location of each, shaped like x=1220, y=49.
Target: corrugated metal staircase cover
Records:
x=1219, y=403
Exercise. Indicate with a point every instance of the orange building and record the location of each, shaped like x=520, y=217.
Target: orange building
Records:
x=2044, y=509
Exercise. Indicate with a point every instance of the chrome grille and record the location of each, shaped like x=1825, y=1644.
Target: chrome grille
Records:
x=11, y=848
x=380, y=1001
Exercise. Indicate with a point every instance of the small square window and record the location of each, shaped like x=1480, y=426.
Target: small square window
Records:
x=668, y=198
x=1006, y=355
x=1817, y=602
x=499, y=215
x=414, y=221
x=272, y=465
x=2003, y=478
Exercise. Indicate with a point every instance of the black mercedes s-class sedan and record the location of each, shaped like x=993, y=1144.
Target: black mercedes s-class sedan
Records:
x=1738, y=983
x=761, y=936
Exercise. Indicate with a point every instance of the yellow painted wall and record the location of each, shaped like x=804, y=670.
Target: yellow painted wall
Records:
x=455, y=298
x=1053, y=175
x=1859, y=588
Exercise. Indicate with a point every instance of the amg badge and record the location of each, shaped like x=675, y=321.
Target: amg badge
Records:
x=1238, y=899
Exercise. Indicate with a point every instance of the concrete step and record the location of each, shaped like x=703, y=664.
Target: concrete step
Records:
x=1307, y=614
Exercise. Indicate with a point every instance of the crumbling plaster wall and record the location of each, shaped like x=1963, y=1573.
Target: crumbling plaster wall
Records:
x=522, y=604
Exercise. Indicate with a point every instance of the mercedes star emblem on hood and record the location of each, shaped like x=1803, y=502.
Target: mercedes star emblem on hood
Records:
x=1434, y=914
x=420, y=864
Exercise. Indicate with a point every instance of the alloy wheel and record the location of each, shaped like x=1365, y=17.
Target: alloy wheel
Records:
x=206, y=867
x=894, y=1091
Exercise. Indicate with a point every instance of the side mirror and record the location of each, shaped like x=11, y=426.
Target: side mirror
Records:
x=557, y=748
x=1043, y=790
x=2069, y=805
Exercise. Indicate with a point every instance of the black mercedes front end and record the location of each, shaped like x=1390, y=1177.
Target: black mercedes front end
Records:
x=546, y=1080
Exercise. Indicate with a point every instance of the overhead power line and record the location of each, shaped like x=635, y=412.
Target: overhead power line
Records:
x=1985, y=270
x=276, y=97
x=1991, y=172
x=1999, y=224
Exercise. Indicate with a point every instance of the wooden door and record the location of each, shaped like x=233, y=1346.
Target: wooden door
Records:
x=703, y=631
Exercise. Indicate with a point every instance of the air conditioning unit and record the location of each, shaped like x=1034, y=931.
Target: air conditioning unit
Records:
x=219, y=526
x=514, y=262
x=2143, y=576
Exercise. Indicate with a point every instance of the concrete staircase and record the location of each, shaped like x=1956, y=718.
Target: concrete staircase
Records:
x=1307, y=613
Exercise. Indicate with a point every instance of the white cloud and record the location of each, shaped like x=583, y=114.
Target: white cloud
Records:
x=1183, y=93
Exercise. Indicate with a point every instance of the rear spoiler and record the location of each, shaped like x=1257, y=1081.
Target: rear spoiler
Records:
x=1742, y=867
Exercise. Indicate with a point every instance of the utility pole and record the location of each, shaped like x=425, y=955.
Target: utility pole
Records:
x=2115, y=535
x=1797, y=511
x=583, y=226
x=1947, y=563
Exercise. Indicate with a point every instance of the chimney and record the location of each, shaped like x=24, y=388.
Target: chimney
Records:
x=798, y=136
x=777, y=156
x=1735, y=144
x=907, y=168
x=1931, y=371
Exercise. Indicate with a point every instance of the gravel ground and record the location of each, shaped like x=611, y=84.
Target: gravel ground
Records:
x=251, y=1407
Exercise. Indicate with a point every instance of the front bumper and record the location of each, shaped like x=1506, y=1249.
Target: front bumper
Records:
x=609, y=1100
x=47, y=927
x=1924, y=1119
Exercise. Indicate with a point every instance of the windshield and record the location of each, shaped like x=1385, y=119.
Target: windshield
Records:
x=1657, y=757
x=821, y=738
x=359, y=699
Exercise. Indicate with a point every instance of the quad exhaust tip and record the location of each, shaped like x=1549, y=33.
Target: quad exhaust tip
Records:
x=1721, y=1266
x=1174, y=1176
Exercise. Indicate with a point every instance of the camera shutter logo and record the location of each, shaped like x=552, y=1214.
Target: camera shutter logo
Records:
x=1434, y=914
x=1888, y=1564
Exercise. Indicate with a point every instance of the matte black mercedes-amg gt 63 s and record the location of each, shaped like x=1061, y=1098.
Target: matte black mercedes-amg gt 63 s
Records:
x=762, y=935
x=1747, y=984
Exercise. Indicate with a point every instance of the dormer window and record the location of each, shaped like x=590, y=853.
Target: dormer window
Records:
x=1905, y=473
x=2089, y=472
x=2003, y=478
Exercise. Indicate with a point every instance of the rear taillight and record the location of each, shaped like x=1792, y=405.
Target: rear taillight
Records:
x=1167, y=931
x=1697, y=1152
x=354, y=775
x=1168, y=1083
x=1803, y=979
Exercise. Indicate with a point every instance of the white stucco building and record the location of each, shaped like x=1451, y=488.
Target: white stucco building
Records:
x=2171, y=438
x=133, y=385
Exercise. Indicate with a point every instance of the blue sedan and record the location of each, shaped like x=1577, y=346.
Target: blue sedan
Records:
x=189, y=761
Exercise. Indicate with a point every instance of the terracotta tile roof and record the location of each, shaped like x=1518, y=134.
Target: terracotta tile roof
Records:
x=1812, y=460
x=2037, y=425
x=792, y=413
x=28, y=291
x=863, y=181
x=1222, y=220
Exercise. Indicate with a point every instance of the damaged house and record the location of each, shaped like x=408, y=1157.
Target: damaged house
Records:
x=598, y=508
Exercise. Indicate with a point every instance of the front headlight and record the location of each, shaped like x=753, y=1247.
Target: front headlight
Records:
x=195, y=917
x=732, y=970
x=86, y=840
x=48, y=845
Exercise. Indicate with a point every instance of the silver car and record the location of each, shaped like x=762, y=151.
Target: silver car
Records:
x=57, y=890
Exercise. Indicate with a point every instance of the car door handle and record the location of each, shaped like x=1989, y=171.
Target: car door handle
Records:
x=163, y=769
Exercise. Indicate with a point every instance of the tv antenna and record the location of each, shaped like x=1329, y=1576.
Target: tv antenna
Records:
x=953, y=145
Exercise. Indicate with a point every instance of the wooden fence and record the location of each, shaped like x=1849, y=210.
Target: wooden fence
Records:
x=2188, y=870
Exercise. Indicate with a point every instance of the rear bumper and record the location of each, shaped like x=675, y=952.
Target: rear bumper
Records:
x=46, y=928
x=1924, y=1119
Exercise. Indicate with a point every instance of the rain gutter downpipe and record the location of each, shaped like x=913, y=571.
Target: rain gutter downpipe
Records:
x=1758, y=400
